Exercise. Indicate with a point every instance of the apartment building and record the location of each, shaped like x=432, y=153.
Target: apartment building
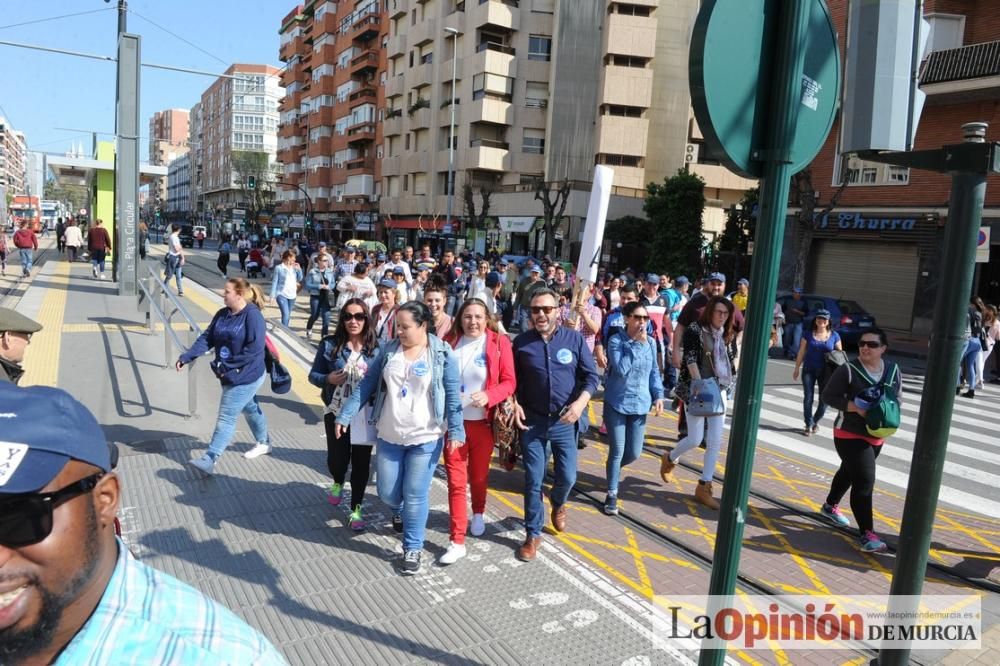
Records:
x=881, y=242
x=545, y=89
x=168, y=135
x=329, y=122
x=234, y=114
x=13, y=159
x=178, y=201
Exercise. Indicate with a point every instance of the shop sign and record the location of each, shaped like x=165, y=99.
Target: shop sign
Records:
x=516, y=225
x=856, y=222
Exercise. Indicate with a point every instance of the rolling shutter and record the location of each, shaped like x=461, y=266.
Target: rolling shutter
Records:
x=881, y=276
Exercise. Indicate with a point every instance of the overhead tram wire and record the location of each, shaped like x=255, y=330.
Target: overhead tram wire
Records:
x=55, y=18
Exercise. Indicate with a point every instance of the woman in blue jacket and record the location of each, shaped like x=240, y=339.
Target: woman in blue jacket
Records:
x=237, y=334
x=417, y=399
x=341, y=362
x=285, y=285
x=632, y=387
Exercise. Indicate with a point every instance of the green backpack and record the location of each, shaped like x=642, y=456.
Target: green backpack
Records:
x=882, y=418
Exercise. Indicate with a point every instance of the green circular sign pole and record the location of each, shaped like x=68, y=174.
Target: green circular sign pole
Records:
x=765, y=80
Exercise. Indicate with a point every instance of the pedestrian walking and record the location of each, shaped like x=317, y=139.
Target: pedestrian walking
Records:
x=356, y=285
x=556, y=377
x=848, y=391
x=811, y=363
x=73, y=239
x=384, y=314
x=98, y=246
x=486, y=372
x=339, y=366
x=795, y=310
x=143, y=240
x=26, y=243
x=243, y=250
x=414, y=381
x=222, y=261
x=60, y=230
x=975, y=344
x=236, y=334
x=709, y=353
x=3, y=250
x=285, y=285
x=319, y=283
x=992, y=327
x=174, y=259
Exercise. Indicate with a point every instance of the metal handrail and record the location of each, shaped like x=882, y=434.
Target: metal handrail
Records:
x=157, y=296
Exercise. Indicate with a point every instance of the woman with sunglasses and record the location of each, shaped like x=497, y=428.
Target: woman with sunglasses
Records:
x=811, y=361
x=414, y=382
x=632, y=387
x=384, y=314
x=341, y=362
x=486, y=369
x=847, y=391
x=708, y=353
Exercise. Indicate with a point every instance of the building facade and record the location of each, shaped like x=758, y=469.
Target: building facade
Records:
x=179, y=187
x=34, y=172
x=329, y=118
x=168, y=140
x=881, y=242
x=235, y=116
x=13, y=159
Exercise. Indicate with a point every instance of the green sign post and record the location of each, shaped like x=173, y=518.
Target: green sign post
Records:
x=765, y=84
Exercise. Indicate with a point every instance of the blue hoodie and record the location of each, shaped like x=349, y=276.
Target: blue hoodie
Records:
x=238, y=341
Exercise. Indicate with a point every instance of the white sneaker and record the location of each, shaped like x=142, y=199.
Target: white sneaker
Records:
x=205, y=464
x=309, y=334
x=260, y=449
x=102, y=276
x=93, y=269
x=455, y=552
x=478, y=526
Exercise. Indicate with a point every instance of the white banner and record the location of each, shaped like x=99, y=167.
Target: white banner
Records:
x=593, y=228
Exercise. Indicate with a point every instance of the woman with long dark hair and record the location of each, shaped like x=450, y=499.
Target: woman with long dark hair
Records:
x=414, y=382
x=811, y=360
x=341, y=362
x=708, y=353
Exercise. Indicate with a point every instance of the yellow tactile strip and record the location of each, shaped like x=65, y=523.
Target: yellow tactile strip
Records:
x=41, y=360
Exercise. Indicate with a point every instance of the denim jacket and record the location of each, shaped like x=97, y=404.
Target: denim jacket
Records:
x=282, y=273
x=314, y=280
x=445, y=387
x=633, y=381
x=328, y=361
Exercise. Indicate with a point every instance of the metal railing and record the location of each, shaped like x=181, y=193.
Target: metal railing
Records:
x=967, y=62
x=158, y=300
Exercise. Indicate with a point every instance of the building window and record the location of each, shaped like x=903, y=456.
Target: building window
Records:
x=534, y=142
x=627, y=9
x=624, y=111
x=619, y=160
x=898, y=175
x=536, y=95
x=626, y=61
x=406, y=183
x=493, y=85
x=539, y=48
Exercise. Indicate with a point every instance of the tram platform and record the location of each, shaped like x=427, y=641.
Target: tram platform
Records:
x=261, y=538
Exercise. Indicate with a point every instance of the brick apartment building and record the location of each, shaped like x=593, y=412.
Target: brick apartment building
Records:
x=892, y=268
x=329, y=117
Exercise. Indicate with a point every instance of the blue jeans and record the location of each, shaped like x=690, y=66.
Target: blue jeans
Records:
x=562, y=439
x=970, y=362
x=626, y=433
x=97, y=258
x=793, y=337
x=404, y=483
x=319, y=308
x=174, y=270
x=236, y=399
x=26, y=258
x=285, y=305
x=811, y=377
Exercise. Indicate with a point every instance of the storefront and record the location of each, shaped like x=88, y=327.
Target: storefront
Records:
x=887, y=261
x=987, y=276
x=515, y=234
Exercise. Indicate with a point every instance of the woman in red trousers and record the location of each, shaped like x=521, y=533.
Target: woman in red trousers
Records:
x=486, y=367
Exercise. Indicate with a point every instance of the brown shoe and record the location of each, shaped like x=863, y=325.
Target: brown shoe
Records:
x=559, y=518
x=528, y=549
x=703, y=495
x=667, y=468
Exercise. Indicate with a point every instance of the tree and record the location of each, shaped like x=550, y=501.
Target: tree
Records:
x=255, y=164
x=477, y=219
x=805, y=193
x=554, y=197
x=77, y=196
x=733, y=245
x=674, y=210
x=628, y=230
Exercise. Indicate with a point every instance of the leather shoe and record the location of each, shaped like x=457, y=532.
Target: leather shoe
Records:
x=559, y=518
x=528, y=549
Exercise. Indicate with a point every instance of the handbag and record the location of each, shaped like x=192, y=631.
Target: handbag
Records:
x=505, y=434
x=281, y=379
x=705, y=398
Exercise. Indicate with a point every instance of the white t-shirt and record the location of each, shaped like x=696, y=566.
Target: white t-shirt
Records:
x=290, y=287
x=407, y=415
x=175, y=244
x=472, y=368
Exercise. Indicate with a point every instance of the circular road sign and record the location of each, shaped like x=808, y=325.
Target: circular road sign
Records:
x=731, y=63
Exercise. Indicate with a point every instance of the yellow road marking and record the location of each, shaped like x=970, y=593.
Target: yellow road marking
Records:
x=41, y=359
x=127, y=328
x=797, y=557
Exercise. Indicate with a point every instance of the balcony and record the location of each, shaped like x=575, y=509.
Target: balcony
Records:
x=360, y=166
x=420, y=119
x=455, y=20
x=367, y=28
x=422, y=75
x=392, y=126
x=391, y=166
x=502, y=14
x=487, y=155
x=969, y=73
x=365, y=64
x=396, y=46
x=620, y=135
x=423, y=32
x=490, y=110
x=399, y=8
x=366, y=93
x=627, y=86
x=444, y=115
x=631, y=35
x=361, y=133
x=493, y=58
x=395, y=86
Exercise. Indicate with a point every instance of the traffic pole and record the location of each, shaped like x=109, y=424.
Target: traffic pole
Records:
x=786, y=89
x=965, y=214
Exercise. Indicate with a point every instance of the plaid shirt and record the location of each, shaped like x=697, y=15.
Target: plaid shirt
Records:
x=148, y=617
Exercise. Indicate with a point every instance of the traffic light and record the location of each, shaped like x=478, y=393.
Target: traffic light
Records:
x=251, y=182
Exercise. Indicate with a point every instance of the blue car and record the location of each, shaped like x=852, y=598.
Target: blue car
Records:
x=849, y=319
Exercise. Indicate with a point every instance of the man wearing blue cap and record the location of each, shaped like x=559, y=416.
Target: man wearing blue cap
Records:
x=70, y=592
x=796, y=310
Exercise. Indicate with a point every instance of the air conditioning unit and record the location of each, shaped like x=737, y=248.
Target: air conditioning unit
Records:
x=691, y=153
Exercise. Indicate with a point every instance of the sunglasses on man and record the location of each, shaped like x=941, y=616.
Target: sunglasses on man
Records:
x=27, y=519
x=871, y=344
x=539, y=309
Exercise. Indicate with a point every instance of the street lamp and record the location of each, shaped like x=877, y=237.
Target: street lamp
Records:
x=308, y=201
x=451, y=134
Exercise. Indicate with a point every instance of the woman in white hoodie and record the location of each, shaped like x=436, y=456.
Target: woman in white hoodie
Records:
x=73, y=239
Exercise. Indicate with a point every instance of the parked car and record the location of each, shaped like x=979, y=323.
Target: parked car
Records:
x=848, y=317
x=187, y=236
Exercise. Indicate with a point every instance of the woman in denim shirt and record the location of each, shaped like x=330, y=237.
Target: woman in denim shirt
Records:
x=285, y=285
x=319, y=283
x=341, y=362
x=632, y=387
x=414, y=380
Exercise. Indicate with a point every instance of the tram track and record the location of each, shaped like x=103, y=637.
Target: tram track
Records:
x=9, y=297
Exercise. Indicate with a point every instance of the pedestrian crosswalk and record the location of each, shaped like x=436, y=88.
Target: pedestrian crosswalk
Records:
x=971, y=479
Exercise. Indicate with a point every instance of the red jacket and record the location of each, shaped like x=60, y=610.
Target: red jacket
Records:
x=25, y=239
x=500, y=380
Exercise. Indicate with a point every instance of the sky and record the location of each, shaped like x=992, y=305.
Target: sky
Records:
x=40, y=91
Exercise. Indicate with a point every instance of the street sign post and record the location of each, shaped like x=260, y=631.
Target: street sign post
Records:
x=127, y=166
x=983, y=246
x=765, y=83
